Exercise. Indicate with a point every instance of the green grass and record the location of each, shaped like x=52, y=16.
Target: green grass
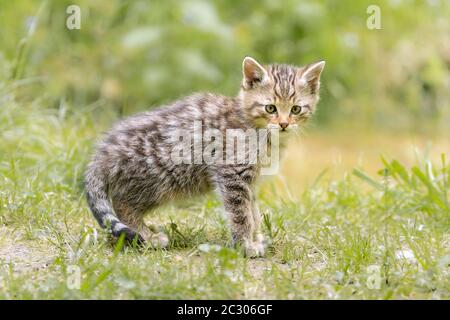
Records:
x=326, y=240
x=323, y=240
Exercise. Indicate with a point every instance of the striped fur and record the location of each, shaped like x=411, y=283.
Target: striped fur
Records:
x=132, y=171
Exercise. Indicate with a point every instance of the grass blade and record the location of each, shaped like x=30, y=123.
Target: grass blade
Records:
x=363, y=176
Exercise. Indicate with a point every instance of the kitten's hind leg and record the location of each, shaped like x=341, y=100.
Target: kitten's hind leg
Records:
x=135, y=220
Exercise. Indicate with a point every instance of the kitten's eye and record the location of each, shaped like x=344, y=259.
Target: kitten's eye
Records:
x=296, y=109
x=270, y=108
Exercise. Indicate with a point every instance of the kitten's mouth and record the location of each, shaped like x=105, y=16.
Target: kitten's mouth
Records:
x=285, y=130
x=280, y=129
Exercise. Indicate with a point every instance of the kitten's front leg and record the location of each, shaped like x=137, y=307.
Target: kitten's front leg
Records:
x=257, y=234
x=238, y=203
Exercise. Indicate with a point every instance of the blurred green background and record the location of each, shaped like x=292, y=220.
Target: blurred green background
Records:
x=334, y=209
x=129, y=56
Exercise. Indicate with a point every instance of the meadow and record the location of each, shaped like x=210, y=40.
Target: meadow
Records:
x=360, y=209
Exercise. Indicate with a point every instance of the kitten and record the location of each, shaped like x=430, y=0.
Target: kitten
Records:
x=132, y=170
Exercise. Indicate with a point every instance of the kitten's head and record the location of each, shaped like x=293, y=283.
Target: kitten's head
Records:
x=279, y=96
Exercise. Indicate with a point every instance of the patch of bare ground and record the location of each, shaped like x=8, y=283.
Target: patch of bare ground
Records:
x=21, y=254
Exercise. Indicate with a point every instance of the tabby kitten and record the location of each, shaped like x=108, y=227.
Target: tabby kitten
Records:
x=132, y=170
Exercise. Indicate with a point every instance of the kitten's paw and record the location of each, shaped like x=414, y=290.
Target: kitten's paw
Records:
x=254, y=249
x=259, y=237
x=264, y=241
x=157, y=240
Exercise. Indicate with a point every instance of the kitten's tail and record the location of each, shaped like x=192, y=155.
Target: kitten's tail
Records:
x=101, y=208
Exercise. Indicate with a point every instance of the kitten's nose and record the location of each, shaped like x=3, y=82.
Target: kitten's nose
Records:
x=284, y=125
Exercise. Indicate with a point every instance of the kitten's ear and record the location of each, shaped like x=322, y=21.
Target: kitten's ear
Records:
x=254, y=73
x=311, y=75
